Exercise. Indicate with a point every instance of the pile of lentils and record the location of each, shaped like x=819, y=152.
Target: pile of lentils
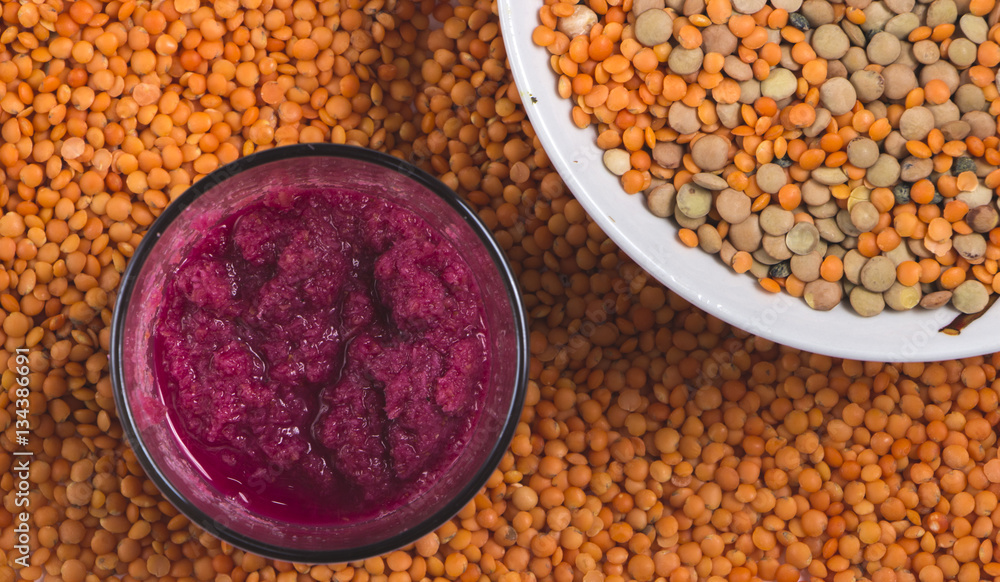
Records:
x=657, y=443
x=836, y=150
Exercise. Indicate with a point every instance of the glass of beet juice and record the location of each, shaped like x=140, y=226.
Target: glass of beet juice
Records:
x=319, y=353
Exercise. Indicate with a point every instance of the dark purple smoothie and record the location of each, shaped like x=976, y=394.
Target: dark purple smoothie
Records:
x=322, y=355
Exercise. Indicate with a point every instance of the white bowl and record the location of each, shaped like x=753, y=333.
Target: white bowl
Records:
x=702, y=279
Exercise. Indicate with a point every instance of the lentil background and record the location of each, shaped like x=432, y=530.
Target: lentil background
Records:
x=658, y=443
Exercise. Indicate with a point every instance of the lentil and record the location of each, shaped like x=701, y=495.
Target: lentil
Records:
x=733, y=206
x=770, y=178
x=970, y=297
x=693, y=201
x=776, y=221
x=866, y=303
x=822, y=295
x=802, y=239
x=579, y=22
x=661, y=201
x=792, y=433
x=652, y=27
x=901, y=297
x=880, y=95
x=710, y=153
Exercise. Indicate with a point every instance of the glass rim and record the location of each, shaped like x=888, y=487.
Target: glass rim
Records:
x=142, y=252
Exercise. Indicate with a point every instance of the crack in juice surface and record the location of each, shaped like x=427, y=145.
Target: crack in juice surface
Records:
x=322, y=355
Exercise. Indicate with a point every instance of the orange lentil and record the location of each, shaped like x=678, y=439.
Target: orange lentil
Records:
x=915, y=98
x=832, y=268
x=961, y=227
x=975, y=146
x=942, y=32
x=908, y=273
x=939, y=229
x=930, y=270
x=928, y=212
x=674, y=88
x=835, y=159
x=981, y=7
x=811, y=159
x=803, y=53
x=988, y=55
x=882, y=199
x=645, y=60
x=600, y=48
x=860, y=122
x=922, y=191
x=955, y=210
x=831, y=142
x=741, y=25
x=967, y=181
x=789, y=196
x=727, y=91
x=888, y=239
x=868, y=244
x=689, y=37
x=770, y=285
x=688, y=237
x=918, y=149
x=742, y=261
x=906, y=224
x=770, y=53
x=880, y=129
x=952, y=277
x=794, y=286
x=815, y=72
x=633, y=181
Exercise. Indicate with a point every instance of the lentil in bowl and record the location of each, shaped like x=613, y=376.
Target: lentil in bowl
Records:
x=808, y=153
x=654, y=244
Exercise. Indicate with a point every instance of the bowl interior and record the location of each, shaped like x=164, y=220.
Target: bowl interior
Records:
x=152, y=435
x=702, y=279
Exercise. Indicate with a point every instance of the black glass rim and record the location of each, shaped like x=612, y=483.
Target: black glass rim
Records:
x=126, y=287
